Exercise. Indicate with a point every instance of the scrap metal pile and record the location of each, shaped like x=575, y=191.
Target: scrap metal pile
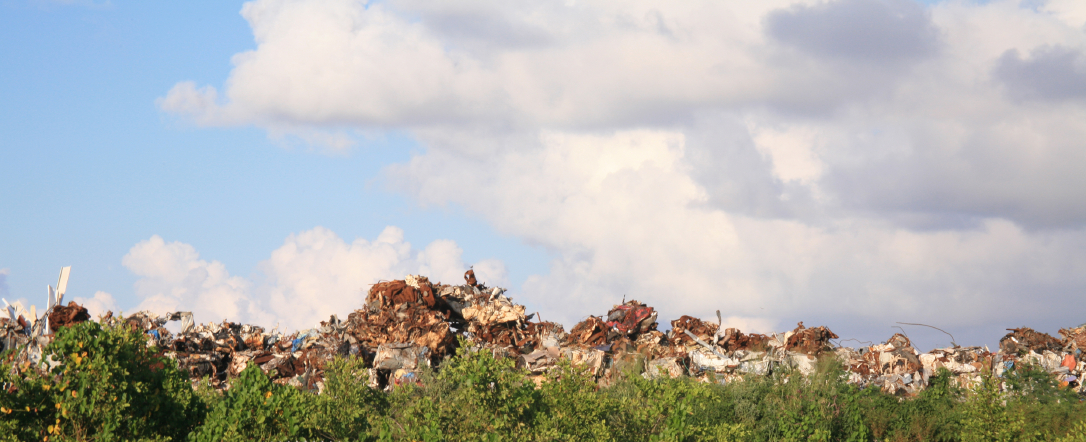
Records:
x=408, y=324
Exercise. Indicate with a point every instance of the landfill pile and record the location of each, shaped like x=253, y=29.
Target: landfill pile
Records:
x=408, y=324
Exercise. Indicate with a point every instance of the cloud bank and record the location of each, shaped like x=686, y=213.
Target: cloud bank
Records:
x=858, y=161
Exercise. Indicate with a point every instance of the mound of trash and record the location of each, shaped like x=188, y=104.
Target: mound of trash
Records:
x=408, y=324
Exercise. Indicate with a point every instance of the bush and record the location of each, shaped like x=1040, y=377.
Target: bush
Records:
x=931, y=416
x=255, y=408
x=985, y=418
x=344, y=409
x=569, y=407
x=475, y=396
x=679, y=409
x=789, y=406
x=102, y=384
x=1035, y=398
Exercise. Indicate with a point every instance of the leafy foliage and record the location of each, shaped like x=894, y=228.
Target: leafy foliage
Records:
x=679, y=409
x=98, y=383
x=255, y=408
x=570, y=409
x=105, y=384
x=476, y=396
x=344, y=409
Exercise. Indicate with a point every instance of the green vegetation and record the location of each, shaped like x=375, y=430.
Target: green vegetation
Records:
x=105, y=384
x=98, y=384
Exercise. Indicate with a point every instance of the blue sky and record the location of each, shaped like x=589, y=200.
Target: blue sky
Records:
x=91, y=166
x=851, y=163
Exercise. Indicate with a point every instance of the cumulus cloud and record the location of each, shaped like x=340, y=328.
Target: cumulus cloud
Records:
x=98, y=304
x=492, y=272
x=409, y=64
x=200, y=104
x=314, y=274
x=173, y=277
x=1072, y=12
x=629, y=222
x=854, y=160
x=861, y=30
x=1051, y=73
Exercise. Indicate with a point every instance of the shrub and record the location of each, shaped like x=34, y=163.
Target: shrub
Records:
x=984, y=416
x=1035, y=398
x=344, y=409
x=103, y=384
x=679, y=409
x=475, y=396
x=933, y=415
x=570, y=408
x=255, y=408
x=819, y=407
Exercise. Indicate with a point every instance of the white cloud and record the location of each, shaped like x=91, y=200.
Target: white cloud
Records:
x=629, y=222
x=492, y=272
x=773, y=159
x=314, y=274
x=1072, y=12
x=98, y=304
x=200, y=104
x=173, y=277
x=907, y=101
x=748, y=324
x=792, y=151
x=402, y=63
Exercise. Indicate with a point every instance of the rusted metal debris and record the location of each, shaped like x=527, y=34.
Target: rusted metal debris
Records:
x=703, y=330
x=67, y=315
x=810, y=341
x=409, y=324
x=590, y=332
x=1022, y=340
x=1074, y=338
x=469, y=277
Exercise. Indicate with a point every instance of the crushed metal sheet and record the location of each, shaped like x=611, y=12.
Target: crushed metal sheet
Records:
x=1021, y=340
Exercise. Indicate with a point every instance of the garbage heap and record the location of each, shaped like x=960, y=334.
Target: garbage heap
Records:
x=405, y=325
x=17, y=331
x=27, y=333
x=713, y=353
